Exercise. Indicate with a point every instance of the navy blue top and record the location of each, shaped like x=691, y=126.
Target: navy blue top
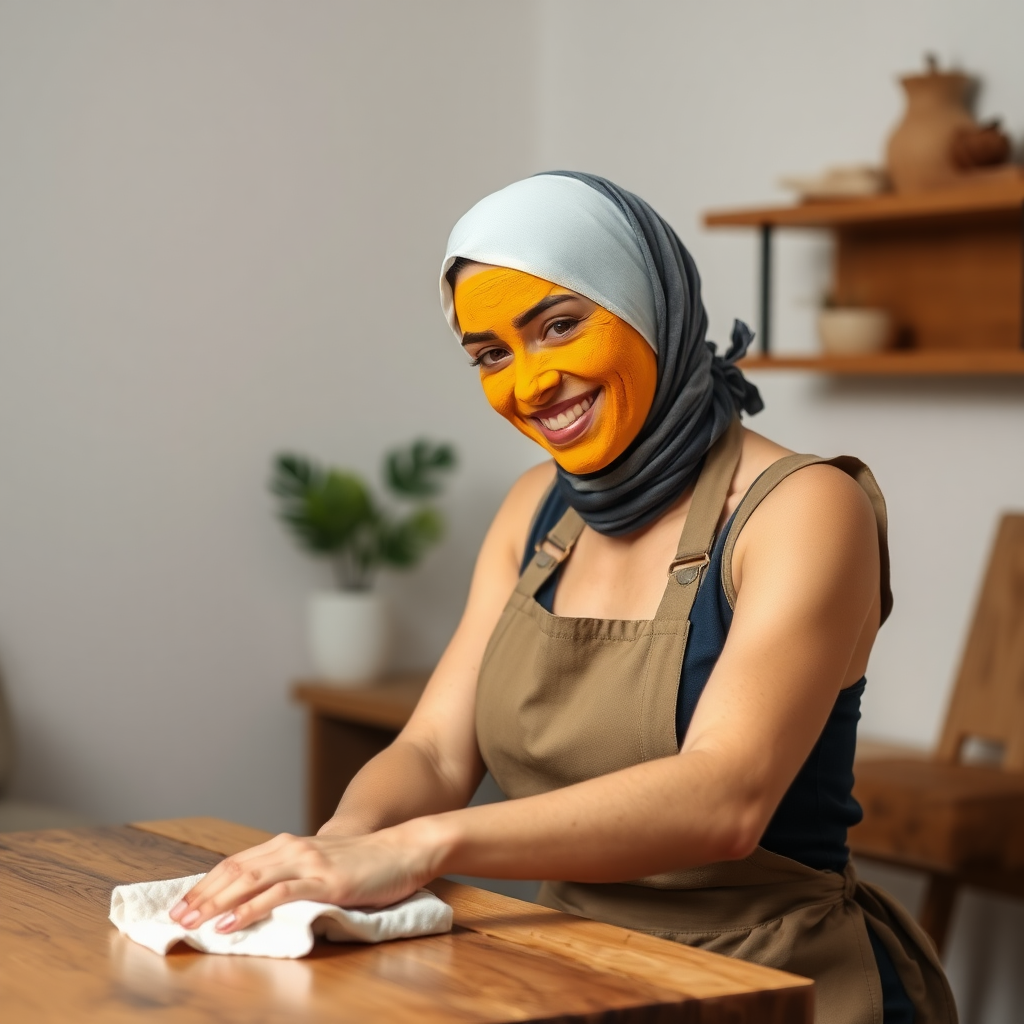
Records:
x=811, y=821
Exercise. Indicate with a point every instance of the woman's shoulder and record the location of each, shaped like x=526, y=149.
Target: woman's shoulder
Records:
x=512, y=523
x=818, y=508
x=818, y=488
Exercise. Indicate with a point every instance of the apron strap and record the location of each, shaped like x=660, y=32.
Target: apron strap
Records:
x=693, y=554
x=773, y=476
x=551, y=552
x=694, y=550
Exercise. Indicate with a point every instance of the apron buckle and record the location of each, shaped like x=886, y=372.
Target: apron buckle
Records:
x=546, y=558
x=688, y=568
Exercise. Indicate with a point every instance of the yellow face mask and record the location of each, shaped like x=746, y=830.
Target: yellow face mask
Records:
x=563, y=370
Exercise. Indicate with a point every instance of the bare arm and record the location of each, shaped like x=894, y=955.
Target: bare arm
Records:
x=806, y=570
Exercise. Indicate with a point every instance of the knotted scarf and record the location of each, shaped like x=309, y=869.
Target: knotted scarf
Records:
x=611, y=246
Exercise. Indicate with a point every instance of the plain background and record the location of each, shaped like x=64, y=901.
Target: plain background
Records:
x=220, y=228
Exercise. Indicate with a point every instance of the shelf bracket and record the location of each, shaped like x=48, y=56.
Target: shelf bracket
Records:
x=766, y=288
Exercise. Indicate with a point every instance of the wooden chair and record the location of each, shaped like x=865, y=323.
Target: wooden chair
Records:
x=962, y=823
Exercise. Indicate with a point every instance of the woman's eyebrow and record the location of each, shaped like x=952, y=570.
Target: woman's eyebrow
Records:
x=472, y=337
x=534, y=311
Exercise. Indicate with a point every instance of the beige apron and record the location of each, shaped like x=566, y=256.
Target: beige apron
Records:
x=561, y=700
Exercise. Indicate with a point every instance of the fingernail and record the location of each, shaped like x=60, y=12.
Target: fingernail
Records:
x=189, y=919
x=225, y=922
x=178, y=909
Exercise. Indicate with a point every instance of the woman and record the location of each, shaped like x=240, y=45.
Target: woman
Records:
x=663, y=650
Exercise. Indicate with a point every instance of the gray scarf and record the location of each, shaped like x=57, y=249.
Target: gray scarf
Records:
x=697, y=395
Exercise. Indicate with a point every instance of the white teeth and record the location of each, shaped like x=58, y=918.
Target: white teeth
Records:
x=570, y=416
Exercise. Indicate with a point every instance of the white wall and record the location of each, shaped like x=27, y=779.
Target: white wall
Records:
x=697, y=105
x=219, y=229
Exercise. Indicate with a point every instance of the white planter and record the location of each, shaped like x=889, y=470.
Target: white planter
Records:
x=348, y=635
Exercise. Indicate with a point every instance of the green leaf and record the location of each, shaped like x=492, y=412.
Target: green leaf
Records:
x=293, y=476
x=326, y=510
x=403, y=543
x=414, y=471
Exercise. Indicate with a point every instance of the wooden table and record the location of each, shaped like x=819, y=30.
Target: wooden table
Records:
x=505, y=960
x=346, y=727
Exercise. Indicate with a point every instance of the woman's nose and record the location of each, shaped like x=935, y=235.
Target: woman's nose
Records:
x=533, y=384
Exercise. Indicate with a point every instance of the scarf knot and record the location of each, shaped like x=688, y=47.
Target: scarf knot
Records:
x=727, y=374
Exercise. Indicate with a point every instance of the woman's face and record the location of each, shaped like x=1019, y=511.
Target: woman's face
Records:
x=563, y=370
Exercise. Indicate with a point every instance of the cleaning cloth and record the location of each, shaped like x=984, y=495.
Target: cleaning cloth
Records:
x=141, y=912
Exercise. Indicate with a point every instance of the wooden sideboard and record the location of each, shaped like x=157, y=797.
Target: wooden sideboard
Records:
x=346, y=727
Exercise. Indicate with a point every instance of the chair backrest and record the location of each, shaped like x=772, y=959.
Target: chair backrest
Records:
x=988, y=701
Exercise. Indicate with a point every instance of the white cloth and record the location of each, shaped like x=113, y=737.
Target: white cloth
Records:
x=141, y=912
x=560, y=230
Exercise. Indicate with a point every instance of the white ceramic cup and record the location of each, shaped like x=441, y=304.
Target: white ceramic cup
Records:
x=849, y=331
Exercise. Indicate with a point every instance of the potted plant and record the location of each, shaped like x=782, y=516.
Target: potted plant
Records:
x=332, y=513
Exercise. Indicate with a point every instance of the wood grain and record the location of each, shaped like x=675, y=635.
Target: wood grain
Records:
x=946, y=285
x=64, y=961
x=937, y=816
x=683, y=969
x=969, y=362
x=386, y=704
x=967, y=201
x=988, y=699
x=223, y=837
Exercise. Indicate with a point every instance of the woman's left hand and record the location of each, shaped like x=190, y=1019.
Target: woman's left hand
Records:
x=372, y=870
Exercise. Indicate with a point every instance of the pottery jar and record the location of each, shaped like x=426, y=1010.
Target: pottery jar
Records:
x=919, y=154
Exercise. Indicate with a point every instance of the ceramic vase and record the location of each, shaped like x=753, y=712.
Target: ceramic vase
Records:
x=919, y=155
x=348, y=634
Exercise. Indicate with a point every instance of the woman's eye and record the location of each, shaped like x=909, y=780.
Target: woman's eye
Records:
x=560, y=328
x=489, y=357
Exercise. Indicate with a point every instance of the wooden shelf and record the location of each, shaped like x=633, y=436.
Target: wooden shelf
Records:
x=934, y=363
x=947, y=265
x=999, y=196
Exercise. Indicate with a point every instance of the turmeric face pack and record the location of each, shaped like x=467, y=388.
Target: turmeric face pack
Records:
x=563, y=370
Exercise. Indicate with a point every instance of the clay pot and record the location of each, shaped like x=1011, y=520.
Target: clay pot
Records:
x=984, y=146
x=920, y=151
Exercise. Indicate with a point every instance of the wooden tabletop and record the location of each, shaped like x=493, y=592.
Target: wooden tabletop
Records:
x=505, y=960
x=386, y=703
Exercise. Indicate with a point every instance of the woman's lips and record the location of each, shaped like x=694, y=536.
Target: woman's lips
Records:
x=565, y=422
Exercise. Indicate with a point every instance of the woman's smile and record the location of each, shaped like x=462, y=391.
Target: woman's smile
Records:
x=565, y=422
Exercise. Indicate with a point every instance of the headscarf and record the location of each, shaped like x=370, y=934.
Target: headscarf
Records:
x=586, y=234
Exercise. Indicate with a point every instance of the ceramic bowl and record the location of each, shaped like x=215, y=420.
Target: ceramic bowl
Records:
x=848, y=331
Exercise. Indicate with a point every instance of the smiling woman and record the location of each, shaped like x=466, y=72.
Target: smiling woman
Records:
x=662, y=655
x=566, y=372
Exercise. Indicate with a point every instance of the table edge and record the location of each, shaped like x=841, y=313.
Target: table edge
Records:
x=631, y=954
